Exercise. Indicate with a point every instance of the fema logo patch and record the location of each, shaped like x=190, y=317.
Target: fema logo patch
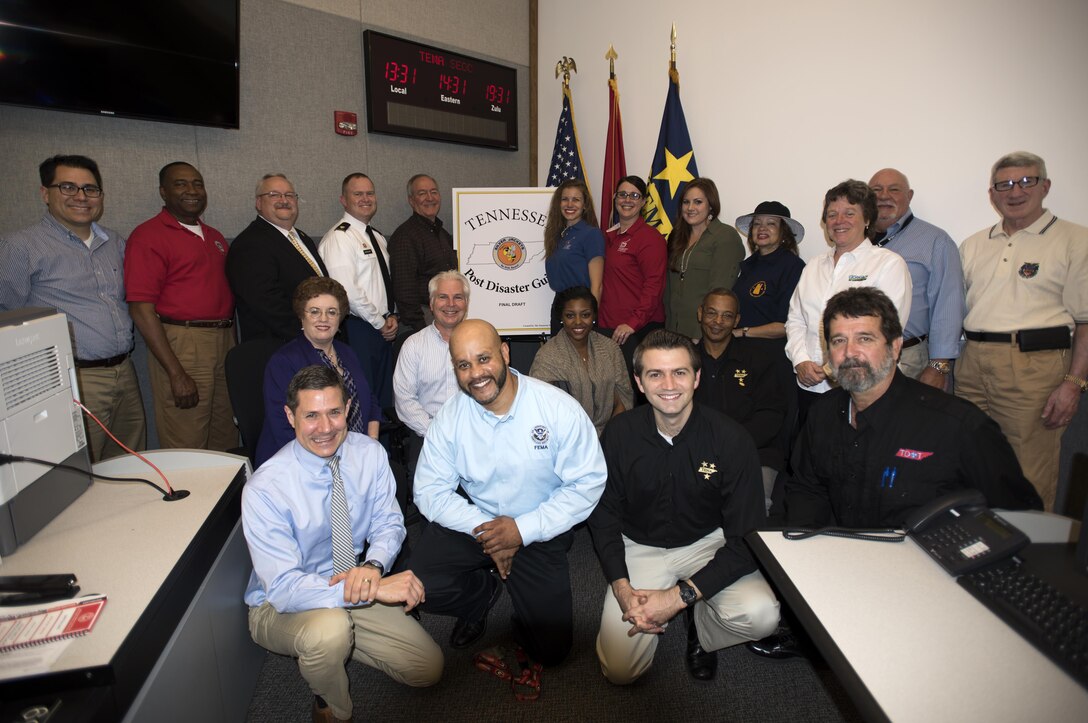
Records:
x=540, y=437
x=509, y=253
x=758, y=289
x=1029, y=271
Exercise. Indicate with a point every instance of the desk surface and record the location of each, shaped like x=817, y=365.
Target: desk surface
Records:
x=908, y=642
x=122, y=539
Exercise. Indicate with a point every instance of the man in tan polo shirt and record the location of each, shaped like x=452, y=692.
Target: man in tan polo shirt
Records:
x=1026, y=357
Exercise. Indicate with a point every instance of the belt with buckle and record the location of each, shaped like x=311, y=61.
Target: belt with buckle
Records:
x=914, y=341
x=96, y=363
x=211, y=324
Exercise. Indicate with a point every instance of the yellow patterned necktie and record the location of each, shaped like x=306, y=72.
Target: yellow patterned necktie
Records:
x=298, y=247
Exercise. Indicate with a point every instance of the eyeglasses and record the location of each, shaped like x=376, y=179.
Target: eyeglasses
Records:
x=425, y=192
x=71, y=189
x=276, y=195
x=315, y=313
x=624, y=195
x=1025, y=182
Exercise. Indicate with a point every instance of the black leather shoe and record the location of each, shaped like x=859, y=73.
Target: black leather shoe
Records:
x=701, y=664
x=780, y=645
x=467, y=632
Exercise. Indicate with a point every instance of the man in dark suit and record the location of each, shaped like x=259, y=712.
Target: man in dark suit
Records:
x=268, y=260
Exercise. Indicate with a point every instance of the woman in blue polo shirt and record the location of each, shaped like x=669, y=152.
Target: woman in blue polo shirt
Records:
x=573, y=243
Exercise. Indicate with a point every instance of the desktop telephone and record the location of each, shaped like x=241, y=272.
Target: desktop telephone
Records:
x=961, y=533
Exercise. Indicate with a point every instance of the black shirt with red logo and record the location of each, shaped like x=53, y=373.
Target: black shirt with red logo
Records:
x=911, y=446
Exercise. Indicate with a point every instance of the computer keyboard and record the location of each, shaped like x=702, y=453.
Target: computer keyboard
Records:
x=1045, y=616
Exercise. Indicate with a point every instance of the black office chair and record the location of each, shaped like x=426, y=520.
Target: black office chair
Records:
x=245, y=365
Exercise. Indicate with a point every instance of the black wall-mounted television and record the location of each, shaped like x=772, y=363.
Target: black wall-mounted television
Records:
x=162, y=60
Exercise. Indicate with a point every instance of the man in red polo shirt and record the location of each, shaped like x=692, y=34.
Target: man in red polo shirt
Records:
x=179, y=298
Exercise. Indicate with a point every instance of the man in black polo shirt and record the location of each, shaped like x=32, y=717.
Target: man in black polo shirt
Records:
x=882, y=444
x=683, y=489
x=738, y=378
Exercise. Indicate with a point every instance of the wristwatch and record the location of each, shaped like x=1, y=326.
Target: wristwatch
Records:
x=1082, y=383
x=688, y=596
x=377, y=566
x=944, y=367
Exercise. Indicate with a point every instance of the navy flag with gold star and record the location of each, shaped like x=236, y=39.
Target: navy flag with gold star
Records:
x=566, y=161
x=674, y=163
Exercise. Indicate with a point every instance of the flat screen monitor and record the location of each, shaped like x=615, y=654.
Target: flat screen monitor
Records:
x=165, y=60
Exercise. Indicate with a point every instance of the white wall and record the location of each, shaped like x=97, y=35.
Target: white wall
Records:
x=784, y=99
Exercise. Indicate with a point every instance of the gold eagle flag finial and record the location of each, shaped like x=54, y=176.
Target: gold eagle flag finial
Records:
x=565, y=66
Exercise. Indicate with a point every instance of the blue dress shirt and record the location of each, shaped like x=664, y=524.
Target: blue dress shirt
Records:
x=540, y=463
x=47, y=265
x=285, y=517
x=936, y=274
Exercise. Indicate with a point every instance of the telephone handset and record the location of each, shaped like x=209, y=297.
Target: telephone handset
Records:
x=962, y=534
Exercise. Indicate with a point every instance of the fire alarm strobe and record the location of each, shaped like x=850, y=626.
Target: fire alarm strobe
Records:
x=344, y=123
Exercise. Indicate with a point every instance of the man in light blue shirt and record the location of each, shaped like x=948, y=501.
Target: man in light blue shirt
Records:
x=931, y=335
x=527, y=457
x=298, y=604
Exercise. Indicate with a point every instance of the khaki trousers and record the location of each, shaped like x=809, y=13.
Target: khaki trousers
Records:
x=113, y=395
x=210, y=424
x=380, y=636
x=913, y=361
x=1012, y=387
x=746, y=610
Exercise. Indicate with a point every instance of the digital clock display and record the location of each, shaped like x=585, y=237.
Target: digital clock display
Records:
x=422, y=91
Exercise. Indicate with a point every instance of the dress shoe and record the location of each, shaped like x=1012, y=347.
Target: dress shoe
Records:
x=701, y=664
x=322, y=713
x=780, y=645
x=466, y=632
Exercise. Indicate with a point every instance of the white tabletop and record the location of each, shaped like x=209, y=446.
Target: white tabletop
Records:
x=122, y=539
x=922, y=646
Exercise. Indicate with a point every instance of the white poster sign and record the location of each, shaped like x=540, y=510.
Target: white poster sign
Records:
x=499, y=235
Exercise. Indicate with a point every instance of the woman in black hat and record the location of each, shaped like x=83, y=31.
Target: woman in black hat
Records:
x=768, y=277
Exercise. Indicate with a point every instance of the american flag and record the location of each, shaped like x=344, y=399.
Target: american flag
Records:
x=566, y=156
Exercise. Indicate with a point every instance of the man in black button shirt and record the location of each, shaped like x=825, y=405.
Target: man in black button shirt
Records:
x=738, y=377
x=884, y=444
x=683, y=488
x=420, y=248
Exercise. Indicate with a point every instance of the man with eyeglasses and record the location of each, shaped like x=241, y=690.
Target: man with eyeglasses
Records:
x=420, y=248
x=69, y=262
x=1025, y=362
x=357, y=256
x=178, y=295
x=268, y=260
x=931, y=341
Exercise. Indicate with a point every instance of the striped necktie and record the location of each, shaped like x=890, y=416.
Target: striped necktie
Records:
x=343, y=548
x=356, y=421
x=297, y=243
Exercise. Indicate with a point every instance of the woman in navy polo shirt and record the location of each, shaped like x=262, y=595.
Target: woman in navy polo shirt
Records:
x=768, y=277
x=573, y=243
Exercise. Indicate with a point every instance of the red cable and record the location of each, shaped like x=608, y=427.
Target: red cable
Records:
x=169, y=489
